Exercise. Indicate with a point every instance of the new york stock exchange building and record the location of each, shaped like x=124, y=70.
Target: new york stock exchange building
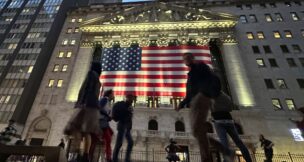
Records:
x=254, y=46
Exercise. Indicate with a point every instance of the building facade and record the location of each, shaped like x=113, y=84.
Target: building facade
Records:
x=256, y=49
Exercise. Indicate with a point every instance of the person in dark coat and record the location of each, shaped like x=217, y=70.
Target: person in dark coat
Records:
x=201, y=88
x=61, y=144
x=124, y=127
x=85, y=120
x=267, y=145
x=171, y=149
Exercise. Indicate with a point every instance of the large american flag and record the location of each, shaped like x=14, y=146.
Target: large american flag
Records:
x=149, y=71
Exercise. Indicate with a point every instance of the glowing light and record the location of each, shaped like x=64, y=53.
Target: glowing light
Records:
x=297, y=134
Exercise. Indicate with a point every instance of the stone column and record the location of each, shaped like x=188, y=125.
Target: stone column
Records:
x=236, y=74
x=80, y=69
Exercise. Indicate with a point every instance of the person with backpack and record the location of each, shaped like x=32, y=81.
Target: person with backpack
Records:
x=224, y=124
x=122, y=113
x=201, y=88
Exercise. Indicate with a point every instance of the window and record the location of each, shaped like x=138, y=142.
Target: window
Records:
x=153, y=125
x=243, y=19
x=73, y=20
x=260, y=35
x=273, y=5
x=60, y=54
x=278, y=17
x=273, y=63
x=179, y=126
x=51, y=83
x=268, y=18
x=291, y=62
x=250, y=35
x=294, y=16
x=269, y=84
x=276, y=34
x=262, y=5
x=252, y=18
x=69, y=54
x=260, y=62
x=248, y=6
x=239, y=6
x=284, y=48
x=56, y=68
x=255, y=49
x=290, y=104
x=281, y=83
x=59, y=83
x=298, y=3
x=288, y=33
x=287, y=4
x=267, y=49
x=296, y=48
x=301, y=61
x=64, y=68
x=30, y=69
x=65, y=42
x=276, y=104
x=301, y=83
x=302, y=32
x=12, y=46
x=80, y=20
x=73, y=42
x=76, y=30
x=69, y=30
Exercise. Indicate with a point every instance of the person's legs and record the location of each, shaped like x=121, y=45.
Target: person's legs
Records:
x=94, y=140
x=231, y=130
x=222, y=134
x=118, y=144
x=107, y=137
x=130, y=145
x=87, y=146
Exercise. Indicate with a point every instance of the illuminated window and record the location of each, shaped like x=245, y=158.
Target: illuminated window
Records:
x=294, y=16
x=12, y=46
x=278, y=17
x=296, y=48
x=59, y=83
x=51, y=83
x=7, y=99
x=267, y=49
x=56, y=68
x=73, y=20
x=268, y=18
x=273, y=63
x=65, y=42
x=2, y=99
x=269, y=84
x=30, y=69
x=284, y=48
x=250, y=35
x=301, y=83
x=255, y=49
x=276, y=34
x=252, y=18
x=276, y=104
x=64, y=68
x=73, y=42
x=290, y=104
x=80, y=20
x=60, y=54
x=291, y=62
x=281, y=83
x=260, y=62
x=76, y=30
x=69, y=54
x=260, y=35
x=288, y=33
x=243, y=19
x=69, y=30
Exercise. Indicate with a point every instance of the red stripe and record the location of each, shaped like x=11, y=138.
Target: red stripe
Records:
x=124, y=84
x=150, y=93
x=169, y=62
x=164, y=68
x=176, y=47
x=143, y=76
x=172, y=55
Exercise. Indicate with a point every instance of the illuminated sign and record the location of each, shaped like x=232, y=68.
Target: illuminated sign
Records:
x=297, y=134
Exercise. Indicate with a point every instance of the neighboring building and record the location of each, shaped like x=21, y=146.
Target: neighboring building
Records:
x=256, y=47
x=28, y=32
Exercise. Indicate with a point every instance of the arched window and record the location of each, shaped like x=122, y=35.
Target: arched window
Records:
x=209, y=127
x=153, y=125
x=179, y=126
x=239, y=128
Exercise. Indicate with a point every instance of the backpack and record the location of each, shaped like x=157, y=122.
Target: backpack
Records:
x=117, y=110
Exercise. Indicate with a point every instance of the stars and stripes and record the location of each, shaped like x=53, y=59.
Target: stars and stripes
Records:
x=149, y=71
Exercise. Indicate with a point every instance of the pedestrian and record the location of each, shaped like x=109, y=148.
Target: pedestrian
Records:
x=105, y=112
x=224, y=124
x=122, y=112
x=202, y=86
x=267, y=145
x=61, y=144
x=85, y=120
x=171, y=149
